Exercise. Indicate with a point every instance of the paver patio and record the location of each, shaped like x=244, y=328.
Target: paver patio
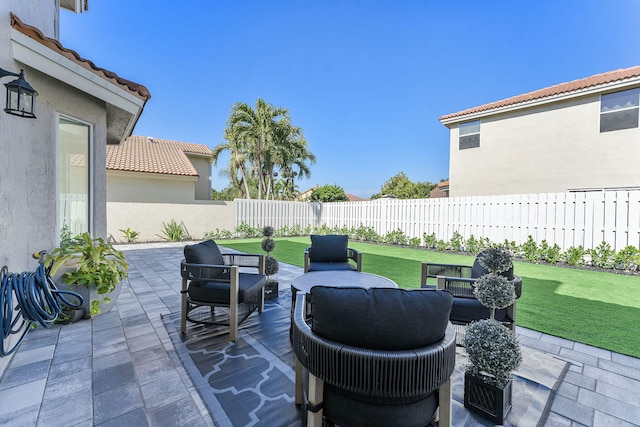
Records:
x=121, y=368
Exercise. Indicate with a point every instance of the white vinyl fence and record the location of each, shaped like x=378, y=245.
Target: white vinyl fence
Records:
x=566, y=219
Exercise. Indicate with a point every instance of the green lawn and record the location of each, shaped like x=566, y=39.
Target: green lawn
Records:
x=595, y=308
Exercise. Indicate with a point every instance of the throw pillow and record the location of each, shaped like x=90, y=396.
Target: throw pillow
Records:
x=329, y=248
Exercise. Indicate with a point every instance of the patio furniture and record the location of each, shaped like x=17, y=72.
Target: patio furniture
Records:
x=331, y=252
x=336, y=279
x=459, y=280
x=374, y=357
x=210, y=279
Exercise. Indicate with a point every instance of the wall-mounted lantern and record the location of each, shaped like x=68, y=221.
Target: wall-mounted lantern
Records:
x=21, y=97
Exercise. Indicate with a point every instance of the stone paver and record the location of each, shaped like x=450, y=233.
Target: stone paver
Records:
x=121, y=369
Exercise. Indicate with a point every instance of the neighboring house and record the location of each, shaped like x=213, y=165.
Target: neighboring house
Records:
x=305, y=196
x=441, y=190
x=147, y=170
x=56, y=161
x=577, y=136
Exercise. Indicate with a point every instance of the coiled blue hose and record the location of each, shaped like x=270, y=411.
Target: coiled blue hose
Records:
x=37, y=301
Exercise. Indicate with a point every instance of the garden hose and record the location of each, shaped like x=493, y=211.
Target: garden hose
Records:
x=28, y=299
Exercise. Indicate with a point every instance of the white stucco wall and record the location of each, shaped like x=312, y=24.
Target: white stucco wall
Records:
x=149, y=188
x=148, y=218
x=543, y=150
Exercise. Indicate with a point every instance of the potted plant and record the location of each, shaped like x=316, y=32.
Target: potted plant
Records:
x=271, y=264
x=90, y=267
x=493, y=350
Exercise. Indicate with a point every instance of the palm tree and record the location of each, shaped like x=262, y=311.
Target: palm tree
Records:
x=237, y=167
x=262, y=142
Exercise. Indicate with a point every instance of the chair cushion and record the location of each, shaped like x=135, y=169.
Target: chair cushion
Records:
x=217, y=291
x=326, y=266
x=206, y=252
x=349, y=409
x=329, y=248
x=465, y=310
x=380, y=318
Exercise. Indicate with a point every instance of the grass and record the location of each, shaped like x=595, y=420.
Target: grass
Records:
x=595, y=308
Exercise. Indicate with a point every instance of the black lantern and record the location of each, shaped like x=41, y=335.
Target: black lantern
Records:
x=21, y=97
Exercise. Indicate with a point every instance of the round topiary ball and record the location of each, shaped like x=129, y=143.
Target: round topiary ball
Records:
x=268, y=245
x=267, y=231
x=493, y=350
x=271, y=266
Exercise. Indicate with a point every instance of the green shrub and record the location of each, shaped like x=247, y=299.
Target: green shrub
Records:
x=473, y=245
x=530, y=250
x=627, y=259
x=457, y=242
x=551, y=254
x=175, y=231
x=414, y=242
x=441, y=245
x=245, y=231
x=129, y=235
x=218, y=234
x=430, y=240
x=602, y=256
x=396, y=238
x=574, y=256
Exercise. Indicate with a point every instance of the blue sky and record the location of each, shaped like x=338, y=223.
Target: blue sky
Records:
x=366, y=80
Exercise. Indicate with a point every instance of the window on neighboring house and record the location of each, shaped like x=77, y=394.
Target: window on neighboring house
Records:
x=619, y=110
x=469, y=134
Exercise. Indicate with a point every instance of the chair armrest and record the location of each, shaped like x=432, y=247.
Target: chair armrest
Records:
x=190, y=271
x=307, y=260
x=460, y=287
x=364, y=371
x=355, y=255
x=246, y=260
x=431, y=270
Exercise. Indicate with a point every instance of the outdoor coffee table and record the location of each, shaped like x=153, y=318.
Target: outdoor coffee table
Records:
x=336, y=279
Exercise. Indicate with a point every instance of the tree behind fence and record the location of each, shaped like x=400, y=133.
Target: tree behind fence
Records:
x=566, y=219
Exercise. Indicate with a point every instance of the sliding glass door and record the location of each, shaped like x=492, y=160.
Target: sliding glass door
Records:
x=74, y=177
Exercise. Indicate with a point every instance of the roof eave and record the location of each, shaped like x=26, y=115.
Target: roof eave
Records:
x=612, y=86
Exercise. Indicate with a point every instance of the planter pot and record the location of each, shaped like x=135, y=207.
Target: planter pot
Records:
x=271, y=289
x=487, y=400
x=87, y=294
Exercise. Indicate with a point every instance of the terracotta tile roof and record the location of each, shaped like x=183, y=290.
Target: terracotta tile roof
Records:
x=137, y=89
x=559, y=89
x=153, y=155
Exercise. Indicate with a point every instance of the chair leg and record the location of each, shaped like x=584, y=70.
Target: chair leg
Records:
x=444, y=404
x=298, y=389
x=261, y=302
x=233, y=304
x=185, y=308
x=315, y=398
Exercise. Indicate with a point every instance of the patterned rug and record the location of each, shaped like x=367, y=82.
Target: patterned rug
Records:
x=251, y=382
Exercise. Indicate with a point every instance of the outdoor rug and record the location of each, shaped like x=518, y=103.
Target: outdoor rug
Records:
x=251, y=382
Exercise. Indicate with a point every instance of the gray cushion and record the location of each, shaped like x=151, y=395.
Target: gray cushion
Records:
x=326, y=266
x=207, y=253
x=380, y=318
x=217, y=291
x=329, y=248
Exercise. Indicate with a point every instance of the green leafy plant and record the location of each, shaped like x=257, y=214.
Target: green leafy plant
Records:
x=530, y=250
x=627, y=259
x=457, y=242
x=430, y=240
x=396, y=237
x=550, y=254
x=602, y=256
x=130, y=235
x=414, y=242
x=96, y=264
x=496, y=259
x=218, y=234
x=574, y=255
x=175, y=231
x=473, y=245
